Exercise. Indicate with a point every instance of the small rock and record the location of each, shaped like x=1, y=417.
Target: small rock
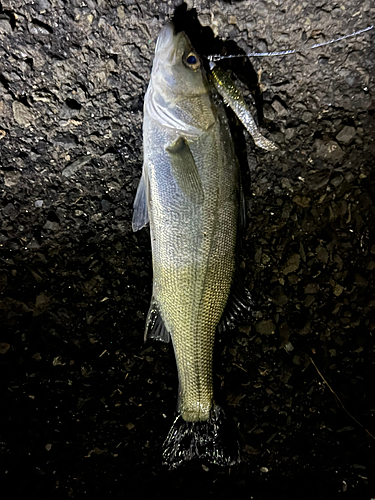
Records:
x=4, y=347
x=52, y=226
x=279, y=297
x=311, y=288
x=266, y=327
x=289, y=133
x=288, y=347
x=338, y=289
x=280, y=109
x=121, y=12
x=268, y=112
x=292, y=264
x=11, y=179
x=5, y=26
x=346, y=135
x=73, y=167
x=285, y=183
x=301, y=201
x=329, y=150
x=106, y=205
x=10, y=210
x=337, y=180
x=22, y=114
x=322, y=254
x=318, y=179
x=308, y=300
x=360, y=280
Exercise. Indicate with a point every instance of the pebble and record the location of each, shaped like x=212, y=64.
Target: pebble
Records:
x=11, y=179
x=266, y=327
x=311, y=288
x=292, y=264
x=329, y=150
x=22, y=114
x=346, y=135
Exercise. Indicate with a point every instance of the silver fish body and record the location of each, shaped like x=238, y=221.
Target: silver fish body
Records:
x=190, y=194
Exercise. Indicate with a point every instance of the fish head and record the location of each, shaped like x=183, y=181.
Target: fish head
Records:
x=179, y=94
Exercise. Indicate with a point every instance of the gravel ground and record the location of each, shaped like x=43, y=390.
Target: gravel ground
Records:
x=85, y=404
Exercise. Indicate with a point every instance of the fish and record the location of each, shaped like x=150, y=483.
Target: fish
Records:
x=190, y=195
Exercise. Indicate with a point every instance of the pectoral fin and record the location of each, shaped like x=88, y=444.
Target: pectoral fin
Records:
x=140, y=208
x=185, y=170
x=233, y=97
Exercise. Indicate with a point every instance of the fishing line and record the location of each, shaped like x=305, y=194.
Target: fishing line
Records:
x=217, y=57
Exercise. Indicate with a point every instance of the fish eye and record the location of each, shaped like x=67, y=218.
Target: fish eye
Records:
x=191, y=61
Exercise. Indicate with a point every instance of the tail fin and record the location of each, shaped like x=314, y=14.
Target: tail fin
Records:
x=212, y=440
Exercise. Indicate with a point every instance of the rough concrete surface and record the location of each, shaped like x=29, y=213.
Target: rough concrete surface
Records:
x=85, y=406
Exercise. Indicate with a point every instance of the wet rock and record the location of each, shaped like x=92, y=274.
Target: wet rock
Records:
x=74, y=166
x=5, y=26
x=337, y=289
x=329, y=150
x=266, y=327
x=4, y=347
x=316, y=180
x=278, y=296
x=11, y=179
x=280, y=107
x=10, y=211
x=22, y=114
x=346, y=135
x=322, y=254
x=360, y=280
x=292, y=264
x=302, y=201
x=337, y=180
x=311, y=288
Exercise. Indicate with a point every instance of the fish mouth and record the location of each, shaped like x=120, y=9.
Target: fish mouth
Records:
x=168, y=45
x=165, y=38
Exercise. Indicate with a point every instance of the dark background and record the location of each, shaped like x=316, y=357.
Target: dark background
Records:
x=85, y=405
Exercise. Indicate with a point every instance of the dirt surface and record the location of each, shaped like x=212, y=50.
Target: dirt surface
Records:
x=85, y=405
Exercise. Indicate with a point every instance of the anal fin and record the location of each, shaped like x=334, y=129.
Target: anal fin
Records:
x=155, y=327
x=239, y=308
